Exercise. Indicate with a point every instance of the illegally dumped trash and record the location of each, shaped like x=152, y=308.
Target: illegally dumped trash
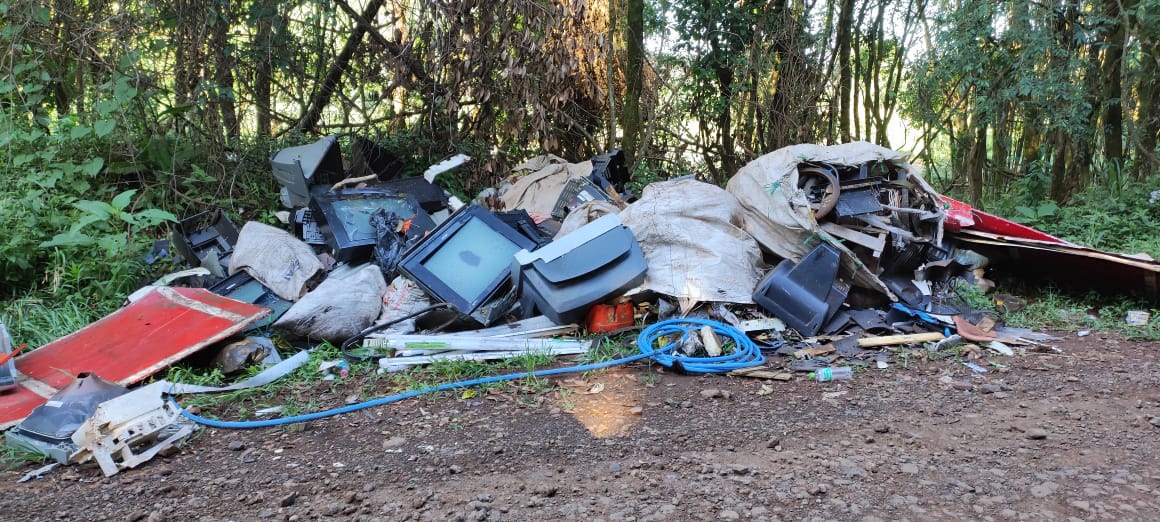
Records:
x=814, y=263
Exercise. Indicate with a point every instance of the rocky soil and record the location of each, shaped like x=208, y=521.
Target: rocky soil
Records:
x=1071, y=436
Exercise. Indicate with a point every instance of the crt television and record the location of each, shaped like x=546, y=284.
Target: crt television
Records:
x=344, y=218
x=466, y=259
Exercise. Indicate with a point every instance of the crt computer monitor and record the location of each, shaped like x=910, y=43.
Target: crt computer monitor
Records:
x=466, y=259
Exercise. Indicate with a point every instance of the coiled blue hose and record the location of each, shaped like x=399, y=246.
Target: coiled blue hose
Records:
x=747, y=354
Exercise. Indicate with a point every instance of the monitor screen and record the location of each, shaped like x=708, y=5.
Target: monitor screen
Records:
x=469, y=261
x=355, y=215
x=466, y=259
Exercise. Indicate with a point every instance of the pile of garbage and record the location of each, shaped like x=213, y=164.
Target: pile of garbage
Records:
x=815, y=258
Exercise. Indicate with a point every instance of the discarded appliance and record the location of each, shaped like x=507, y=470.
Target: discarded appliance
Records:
x=243, y=287
x=367, y=157
x=130, y=429
x=609, y=171
x=299, y=168
x=523, y=223
x=430, y=197
x=160, y=328
x=48, y=430
x=466, y=260
x=208, y=234
x=804, y=294
x=598, y=261
x=344, y=218
x=577, y=191
x=8, y=367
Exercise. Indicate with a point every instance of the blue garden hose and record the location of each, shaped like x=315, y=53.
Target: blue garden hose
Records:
x=747, y=354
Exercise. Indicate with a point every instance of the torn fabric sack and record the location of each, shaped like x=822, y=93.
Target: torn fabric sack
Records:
x=538, y=191
x=278, y=260
x=340, y=307
x=691, y=235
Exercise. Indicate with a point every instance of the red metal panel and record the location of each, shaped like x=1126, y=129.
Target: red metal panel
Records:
x=961, y=215
x=164, y=326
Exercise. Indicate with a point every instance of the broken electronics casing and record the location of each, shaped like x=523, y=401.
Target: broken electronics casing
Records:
x=466, y=260
x=209, y=233
x=130, y=429
x=299, y=168
x=243, y=287
x=344, y=218
x=577, y=191
x=804, y=294
x=8, y=369
x=563, y=279
x=49, y=428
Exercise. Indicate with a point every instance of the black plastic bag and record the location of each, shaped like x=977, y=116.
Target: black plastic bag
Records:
x=389, y=243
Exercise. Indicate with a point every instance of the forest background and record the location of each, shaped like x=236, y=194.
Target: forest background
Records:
x=117, y=117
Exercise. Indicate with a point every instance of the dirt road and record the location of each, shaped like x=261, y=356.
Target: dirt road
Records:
x=1051, y=437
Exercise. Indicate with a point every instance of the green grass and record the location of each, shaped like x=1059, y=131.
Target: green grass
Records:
x=12, y=458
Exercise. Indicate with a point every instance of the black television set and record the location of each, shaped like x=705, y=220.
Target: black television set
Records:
x=466, y=259
x=299, y=168
x=344, y=218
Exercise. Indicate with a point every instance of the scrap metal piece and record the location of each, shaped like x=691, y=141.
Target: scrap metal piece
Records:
x=139, y=340
x=8, y=367
x=131, y=429
x=38, y=472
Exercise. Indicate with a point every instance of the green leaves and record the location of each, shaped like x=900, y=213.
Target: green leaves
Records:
x=98, y=224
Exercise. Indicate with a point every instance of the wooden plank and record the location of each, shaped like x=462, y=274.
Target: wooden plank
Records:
x=889, y=340
x=874, y=243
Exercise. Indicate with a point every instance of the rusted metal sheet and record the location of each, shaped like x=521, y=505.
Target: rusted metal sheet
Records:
x=1067, y=265
x=159, y=329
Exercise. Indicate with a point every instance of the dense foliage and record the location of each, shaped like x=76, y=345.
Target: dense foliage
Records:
x=117, y=117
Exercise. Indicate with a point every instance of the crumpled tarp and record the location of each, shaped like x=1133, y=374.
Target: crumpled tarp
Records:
x=691, y=236
x=339, y=308
x=538, y=191
x=278, y=260
x=778, y=214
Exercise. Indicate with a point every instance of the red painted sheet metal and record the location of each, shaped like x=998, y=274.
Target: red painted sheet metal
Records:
x=961, y=215
x=137, y=341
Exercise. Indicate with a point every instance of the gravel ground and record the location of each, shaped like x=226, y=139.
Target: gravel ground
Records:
x=1071, y=436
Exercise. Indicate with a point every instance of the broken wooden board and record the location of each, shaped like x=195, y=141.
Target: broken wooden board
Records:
x=126, y=346
x=890, y=340
x=762, y=372
x=809, y=353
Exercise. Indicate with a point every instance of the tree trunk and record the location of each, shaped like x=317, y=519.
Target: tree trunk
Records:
x=845, y=73
x=634, y=80
x=1148, y=123
x=1111, y=74
x=264, y=68
x=976, y=162
x=333, y=77
x=224, y=64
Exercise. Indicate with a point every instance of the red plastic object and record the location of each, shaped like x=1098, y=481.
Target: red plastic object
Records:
x=961, y=215
x=609, y=318
x=159, y=329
